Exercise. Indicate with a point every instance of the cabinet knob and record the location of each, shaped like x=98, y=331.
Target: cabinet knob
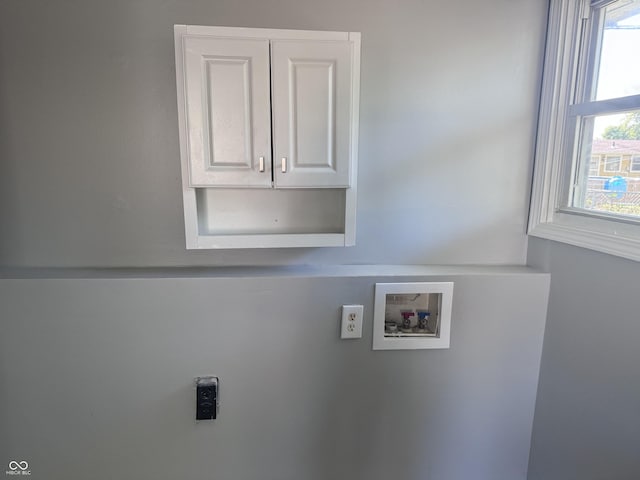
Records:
x=261, y=164
x=284, y=164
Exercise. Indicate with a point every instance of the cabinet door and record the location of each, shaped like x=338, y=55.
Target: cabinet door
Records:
x=228, y=111
x=311, y=88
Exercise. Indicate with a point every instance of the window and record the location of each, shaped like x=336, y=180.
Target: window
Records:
x=612, y=164
x=635, y=163
x=590, y=109
x=594, y=166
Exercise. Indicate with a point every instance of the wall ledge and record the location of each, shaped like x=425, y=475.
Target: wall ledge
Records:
x=300, y=271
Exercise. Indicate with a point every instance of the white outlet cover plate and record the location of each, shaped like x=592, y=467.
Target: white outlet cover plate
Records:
x=351, y=321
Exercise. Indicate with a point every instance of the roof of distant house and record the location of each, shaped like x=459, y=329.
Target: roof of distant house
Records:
x=613, y=147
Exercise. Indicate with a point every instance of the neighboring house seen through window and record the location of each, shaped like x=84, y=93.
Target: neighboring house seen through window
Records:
x=594, y=166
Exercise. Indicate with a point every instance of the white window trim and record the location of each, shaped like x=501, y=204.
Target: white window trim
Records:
x=553, y=169
x=634, y=158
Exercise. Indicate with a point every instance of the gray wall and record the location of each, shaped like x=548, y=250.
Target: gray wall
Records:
x=587, y=422
x=96, y=380
x=89, y=176
x=89, y=167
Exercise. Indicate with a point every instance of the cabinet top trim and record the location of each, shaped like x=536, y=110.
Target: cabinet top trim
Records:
x=278, y=34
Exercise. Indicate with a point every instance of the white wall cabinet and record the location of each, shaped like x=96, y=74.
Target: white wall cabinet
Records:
x=272, y=110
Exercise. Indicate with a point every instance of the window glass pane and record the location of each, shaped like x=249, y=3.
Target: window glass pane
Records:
x=612, y=164
x=611, y=185
x=618, y=74
x=594, y=166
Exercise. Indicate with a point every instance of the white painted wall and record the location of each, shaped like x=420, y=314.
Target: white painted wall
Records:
x=89, y=167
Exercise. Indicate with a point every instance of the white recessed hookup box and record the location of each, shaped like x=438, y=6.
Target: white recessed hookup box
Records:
x=411, y=316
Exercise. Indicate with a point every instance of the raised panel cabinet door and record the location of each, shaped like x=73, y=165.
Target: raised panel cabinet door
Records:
x=311, y=84
x=228, y=111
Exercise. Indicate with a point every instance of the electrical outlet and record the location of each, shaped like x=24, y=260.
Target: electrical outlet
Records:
x=351, y=321
x=207, y=398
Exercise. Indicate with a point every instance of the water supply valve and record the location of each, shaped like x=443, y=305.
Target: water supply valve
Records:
x=406, y=320
x=423, y=320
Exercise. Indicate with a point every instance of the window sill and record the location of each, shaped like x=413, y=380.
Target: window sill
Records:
x=606, y=236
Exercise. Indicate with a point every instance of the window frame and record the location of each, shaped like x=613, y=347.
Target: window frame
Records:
x=632, y=162
x=567, y=80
